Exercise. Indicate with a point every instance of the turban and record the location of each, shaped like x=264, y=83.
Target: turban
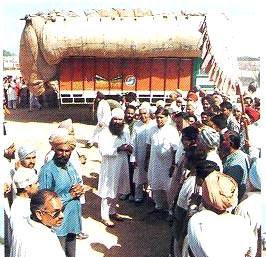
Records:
x=153, y=109
x=209, y=137
x=237, y=107
x=67, y=124
x=255, y=173
x=145, y=106
x=160, y=103
x=192, y=96
x=219, y=191
x=252, y=113
x=24, y=151
x=60, y=136
x=25, y=177
x=118, y=113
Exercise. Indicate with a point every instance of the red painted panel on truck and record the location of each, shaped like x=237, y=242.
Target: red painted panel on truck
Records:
x=89, y=71
x=66, y=75
x=186, y=71
x=129, y=74
x=115, y=74
x=143, y=75
x=172, y=74
x=101, y=75
x=157, y=74
x=77, y=78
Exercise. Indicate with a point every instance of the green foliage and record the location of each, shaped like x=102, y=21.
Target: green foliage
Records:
x=7, y=53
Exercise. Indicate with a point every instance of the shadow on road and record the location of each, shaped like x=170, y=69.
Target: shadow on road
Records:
x=78, y=113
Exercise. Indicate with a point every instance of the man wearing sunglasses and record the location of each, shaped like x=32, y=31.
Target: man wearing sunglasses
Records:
x=38, y=237
x=60, y=176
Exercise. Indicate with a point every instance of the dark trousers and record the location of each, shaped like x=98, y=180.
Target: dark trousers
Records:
x=68, y=244
x=131, y=174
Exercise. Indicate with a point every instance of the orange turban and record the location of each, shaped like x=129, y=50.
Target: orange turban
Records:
x=219, y=191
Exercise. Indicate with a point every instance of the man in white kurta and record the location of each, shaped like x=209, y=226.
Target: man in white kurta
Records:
x=139, y=137
x=163, y=141
x=103, y=117
x=250, y=208
x=37, y=238
x=25, y=181
x=114, y=147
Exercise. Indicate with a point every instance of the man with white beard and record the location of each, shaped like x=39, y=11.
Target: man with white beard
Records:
x=140, y=134
x=114, y=146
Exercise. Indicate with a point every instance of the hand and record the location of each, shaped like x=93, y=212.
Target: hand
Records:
x=7, y=188
x=76, y=190
x=129, y=148
x=122, y=148
x=82, y=159
x=134, y=165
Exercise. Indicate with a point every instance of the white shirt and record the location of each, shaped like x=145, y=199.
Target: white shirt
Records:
x=250, y=209
x=11, y=94
x=138, y=141
x=114, y=174
x=103, y=112
x=36, y=240
x=213, y=235
x=163, y=142
x=20, y=212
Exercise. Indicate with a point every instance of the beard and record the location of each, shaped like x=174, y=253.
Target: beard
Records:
x=61, y=161
x=116, y=128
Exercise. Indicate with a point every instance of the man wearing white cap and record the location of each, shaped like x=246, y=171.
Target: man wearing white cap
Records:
x=26, y=184
x=114, y=146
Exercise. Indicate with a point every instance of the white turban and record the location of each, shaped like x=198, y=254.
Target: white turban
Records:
x=153, y=109
x=160, y=103
x=118, y=113
x=24, y=151
x=25, y=177
x=67, y=124
x=145, y=106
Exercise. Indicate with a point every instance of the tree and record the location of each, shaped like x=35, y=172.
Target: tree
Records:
x=7, y=53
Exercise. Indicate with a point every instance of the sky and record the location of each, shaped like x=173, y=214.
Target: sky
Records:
x=243, y=13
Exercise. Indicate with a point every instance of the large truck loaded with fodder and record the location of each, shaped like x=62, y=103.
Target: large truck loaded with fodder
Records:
x=112, y=51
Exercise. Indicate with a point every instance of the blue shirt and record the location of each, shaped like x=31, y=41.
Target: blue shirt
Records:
x=60, y=181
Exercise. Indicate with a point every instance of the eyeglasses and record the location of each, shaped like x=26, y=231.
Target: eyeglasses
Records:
x=53, y=214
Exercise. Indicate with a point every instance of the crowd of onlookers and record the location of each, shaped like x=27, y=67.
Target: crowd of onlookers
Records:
x=17, y=95
x=198, y=156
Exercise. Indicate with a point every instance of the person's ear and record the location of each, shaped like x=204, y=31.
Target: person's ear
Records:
x=38, y=214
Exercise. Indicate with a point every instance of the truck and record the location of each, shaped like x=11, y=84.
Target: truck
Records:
x=113, y=51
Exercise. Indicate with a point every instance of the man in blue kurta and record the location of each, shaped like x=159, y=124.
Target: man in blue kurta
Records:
x=60, y=176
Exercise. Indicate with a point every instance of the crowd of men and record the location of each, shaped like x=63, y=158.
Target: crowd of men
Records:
x=199, y=156
x=17, y=95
